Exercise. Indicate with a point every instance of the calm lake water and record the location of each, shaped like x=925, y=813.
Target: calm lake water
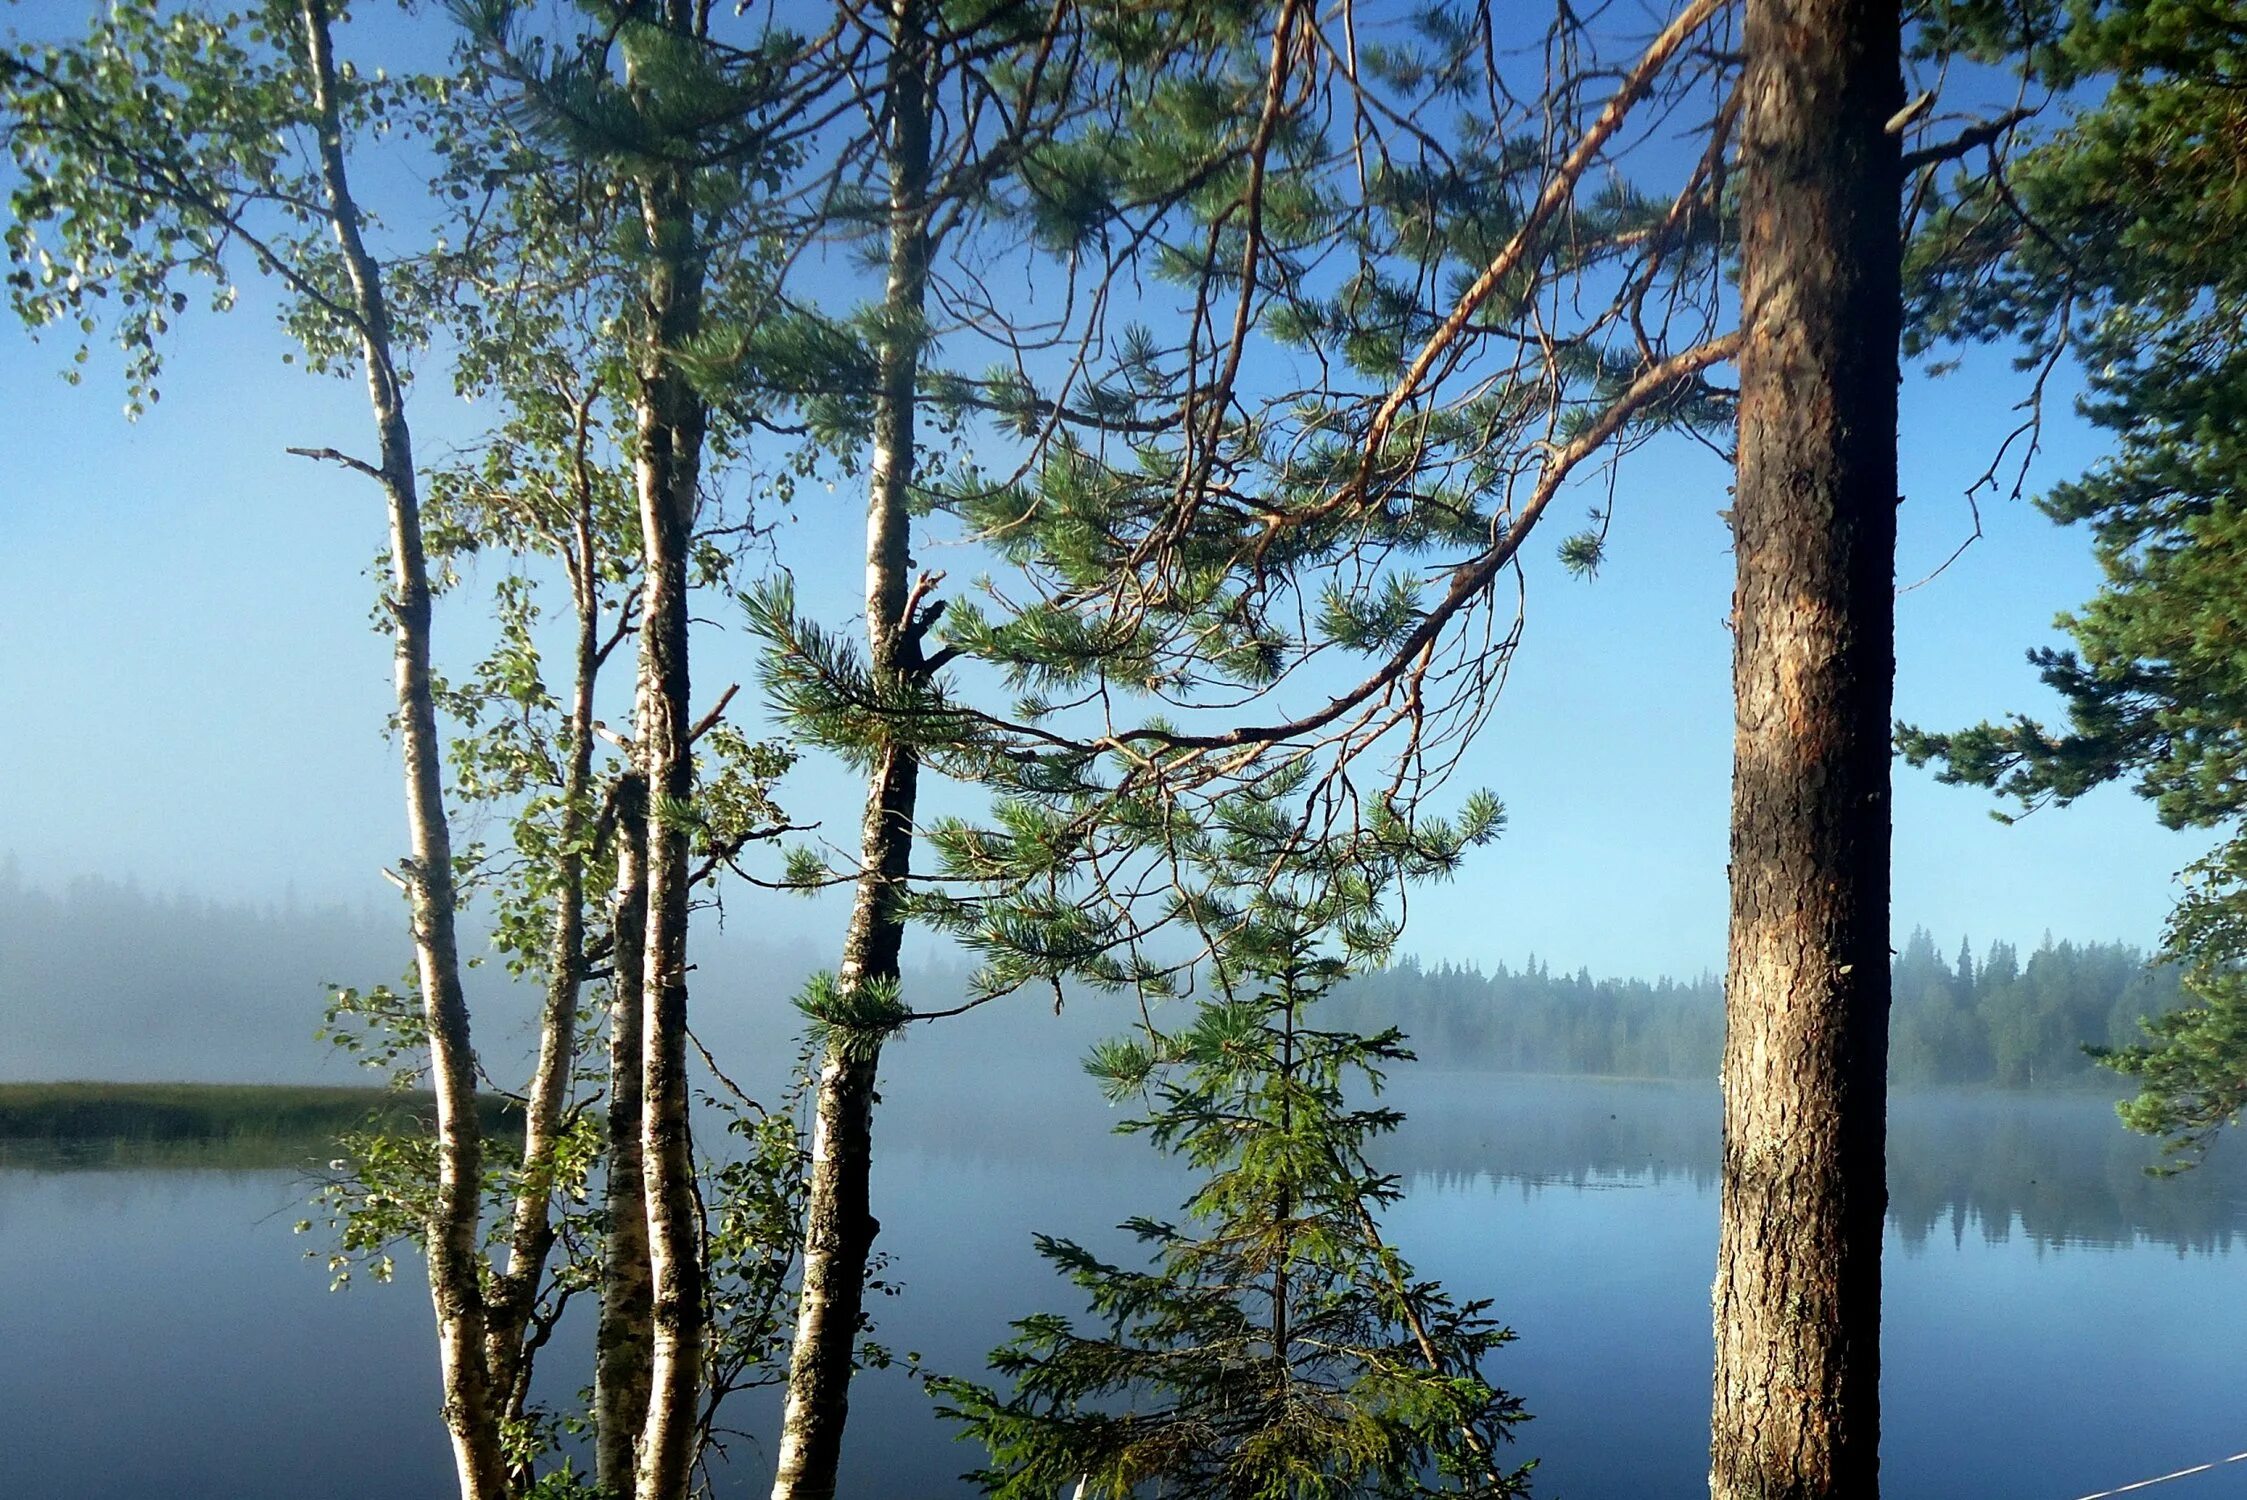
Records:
x=2057, y=1323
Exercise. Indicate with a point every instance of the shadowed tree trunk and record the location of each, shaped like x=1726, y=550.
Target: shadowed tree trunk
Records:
x=1797, y=1299
x=470, y=1404
x=620, y=1376
x=839, y=1225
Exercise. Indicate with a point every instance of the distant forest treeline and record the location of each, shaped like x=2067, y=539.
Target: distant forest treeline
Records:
x=2000, y=1019
x=107, y=980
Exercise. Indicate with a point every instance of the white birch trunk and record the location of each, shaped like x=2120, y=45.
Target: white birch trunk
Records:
x=672, y=420
x=515, y=1291
x=452, y=1233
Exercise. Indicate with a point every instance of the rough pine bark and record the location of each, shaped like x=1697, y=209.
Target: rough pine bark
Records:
x=1797, y=1299
x=623, y=1343
x=839, y=1225
x=672, y=420
x=470, y=1404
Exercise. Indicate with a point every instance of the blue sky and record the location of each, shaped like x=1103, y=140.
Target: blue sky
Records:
x=199, y=698
x=200, y=701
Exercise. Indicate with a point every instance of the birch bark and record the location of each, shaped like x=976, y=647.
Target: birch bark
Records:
x=672, y=420
x=470, y=1408
x=624, y=1339
x=515, y=1291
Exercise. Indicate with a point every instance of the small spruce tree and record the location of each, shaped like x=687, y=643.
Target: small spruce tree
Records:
x=1276, y=1345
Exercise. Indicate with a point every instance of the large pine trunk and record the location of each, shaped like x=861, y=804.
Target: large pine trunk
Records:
x=1797, y=1299
x=839, y=1225
x=471, y=1407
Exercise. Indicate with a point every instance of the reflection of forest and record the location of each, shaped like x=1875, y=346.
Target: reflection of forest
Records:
x=2000, y=1018
x=233, y=993
x=2058, y=1169
x=2041, y=1155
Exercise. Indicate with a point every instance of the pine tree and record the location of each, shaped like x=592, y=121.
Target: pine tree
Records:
x=1275, y=1345
x=2117, y=238
x=1796, y=1414
x=1176, y=534
x=1219, y=568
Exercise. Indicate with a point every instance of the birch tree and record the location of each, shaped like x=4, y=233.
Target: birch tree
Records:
x=1004, y=62
x=839, y=1225
x=678, y=125
x=166, y=147
x=148, y=151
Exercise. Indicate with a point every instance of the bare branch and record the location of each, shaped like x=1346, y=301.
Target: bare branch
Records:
x=332, y=456
x=1973, y=138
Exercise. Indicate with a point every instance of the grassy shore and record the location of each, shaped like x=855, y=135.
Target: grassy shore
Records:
x=229, y=1123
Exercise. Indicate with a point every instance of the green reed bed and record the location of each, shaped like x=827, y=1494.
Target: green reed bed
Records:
x=215, y=1123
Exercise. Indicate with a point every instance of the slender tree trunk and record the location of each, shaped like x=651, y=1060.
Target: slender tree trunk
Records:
x=470, y=1409
x=623, y=1343
x=672, y=419
x=514, y=1294
x=1286, y=1215
x=839, y=1226
x=1796, y=1414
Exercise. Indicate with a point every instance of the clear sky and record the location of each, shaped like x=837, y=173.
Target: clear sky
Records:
x=198, y=701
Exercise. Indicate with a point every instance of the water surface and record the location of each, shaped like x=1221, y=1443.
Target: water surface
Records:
x=2057, y=1322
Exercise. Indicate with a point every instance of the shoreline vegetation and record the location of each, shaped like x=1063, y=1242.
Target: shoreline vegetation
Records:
x=282, y=1123
x=2004, y=1018
x=2046, y=1162
x=243, y=1125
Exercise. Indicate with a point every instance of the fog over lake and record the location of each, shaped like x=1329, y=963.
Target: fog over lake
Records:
x=2057, y=1322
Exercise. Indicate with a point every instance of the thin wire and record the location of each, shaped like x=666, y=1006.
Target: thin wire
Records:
x=2165, y=1478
